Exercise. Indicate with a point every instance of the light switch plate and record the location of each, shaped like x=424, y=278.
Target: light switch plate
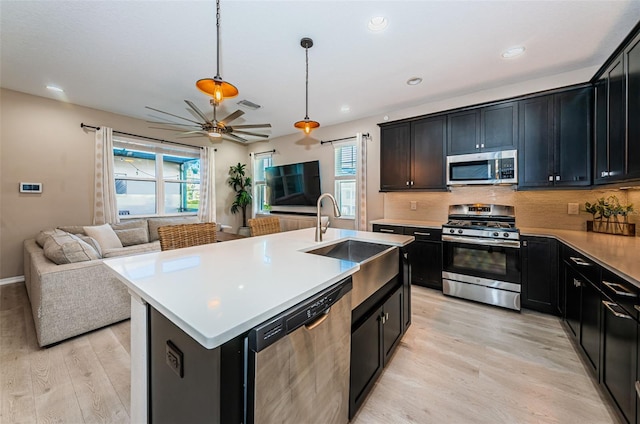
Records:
x=414, y=205
x=573, y=208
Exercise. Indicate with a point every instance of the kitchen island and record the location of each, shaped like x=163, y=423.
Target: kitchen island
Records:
x=216, y=293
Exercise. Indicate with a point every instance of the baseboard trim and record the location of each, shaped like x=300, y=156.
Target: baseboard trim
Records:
x=11, y=280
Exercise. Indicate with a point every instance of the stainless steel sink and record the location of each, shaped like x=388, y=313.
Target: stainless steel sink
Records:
x=351, y=250
x=378, y=265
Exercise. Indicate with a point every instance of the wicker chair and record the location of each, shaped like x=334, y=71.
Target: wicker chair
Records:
x=262, y=226
x=185, y=235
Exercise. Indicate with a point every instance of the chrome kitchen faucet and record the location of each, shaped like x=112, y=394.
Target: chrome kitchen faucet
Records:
x=320, y=230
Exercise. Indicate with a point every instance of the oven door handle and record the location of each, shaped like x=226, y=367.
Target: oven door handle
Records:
x=482, y=241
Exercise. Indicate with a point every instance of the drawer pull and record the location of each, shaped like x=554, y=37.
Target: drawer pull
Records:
x=417, y=233
x=579, y=261
x=637, y=307
x=386, y=230
x=619, y=289
x=610, y=306
x=576, y=282
x=638, y=388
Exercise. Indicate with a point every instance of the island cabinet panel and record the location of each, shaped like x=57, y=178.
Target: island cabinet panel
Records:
x=374, y=337
x=540, y=274
x=555, y=140
x=395, y=157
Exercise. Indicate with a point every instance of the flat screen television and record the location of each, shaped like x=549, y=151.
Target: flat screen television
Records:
x=294, y=185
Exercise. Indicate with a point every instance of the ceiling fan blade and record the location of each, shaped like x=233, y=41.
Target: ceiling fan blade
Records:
x=172, y=123
x=171, y=114
x=197, y=111
x=169, y=129
x=250, y=133
x=193, y=135
x=235, y=115
x=194, y=132
x=236, y=138
x=253, y=126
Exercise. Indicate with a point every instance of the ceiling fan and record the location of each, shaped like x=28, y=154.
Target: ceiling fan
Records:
x=213, y=128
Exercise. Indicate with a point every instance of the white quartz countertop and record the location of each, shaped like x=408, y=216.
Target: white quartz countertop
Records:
x=218, y=291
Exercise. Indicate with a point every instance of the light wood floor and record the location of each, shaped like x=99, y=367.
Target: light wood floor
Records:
x=460, y=362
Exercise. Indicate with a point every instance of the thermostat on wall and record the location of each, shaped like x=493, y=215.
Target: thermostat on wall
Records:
x=30, y=187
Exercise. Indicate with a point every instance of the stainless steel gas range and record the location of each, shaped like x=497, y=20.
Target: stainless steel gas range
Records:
x=481, y=254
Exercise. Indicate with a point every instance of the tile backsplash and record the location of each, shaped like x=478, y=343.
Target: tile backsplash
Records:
x=540, y=209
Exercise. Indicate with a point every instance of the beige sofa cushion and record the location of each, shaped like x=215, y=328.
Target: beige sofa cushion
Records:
x=73, y=229
x=44, y=235
x=155, y=223
x=67, y=248
x=135, y=231
x=132, y=250
x=104, y=235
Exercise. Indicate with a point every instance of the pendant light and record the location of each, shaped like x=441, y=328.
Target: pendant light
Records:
x=306, y=124
x=216, y=87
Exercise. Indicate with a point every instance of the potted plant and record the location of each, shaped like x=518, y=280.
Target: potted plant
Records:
x=606, y=216
x=241, y=184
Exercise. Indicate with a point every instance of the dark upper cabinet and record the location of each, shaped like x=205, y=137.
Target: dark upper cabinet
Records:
x=395, y=157
x=632, y=65
x=483, y=129
x=610, y=124
x=555, y=140
x=464, y=132
x=412, y=155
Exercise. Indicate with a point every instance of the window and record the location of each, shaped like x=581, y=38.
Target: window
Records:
x=260, y=195
x=345, y=178
x=155, y=179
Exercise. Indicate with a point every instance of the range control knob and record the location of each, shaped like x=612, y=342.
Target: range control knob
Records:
x=459, y=231
x=496, y=234
x=452, y=231
x=506, y=234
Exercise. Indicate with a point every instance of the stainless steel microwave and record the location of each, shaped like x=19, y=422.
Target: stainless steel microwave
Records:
x=483, y=168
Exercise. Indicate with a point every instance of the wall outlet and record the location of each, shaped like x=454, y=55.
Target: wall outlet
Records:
x=573, y=208
x=413, y=205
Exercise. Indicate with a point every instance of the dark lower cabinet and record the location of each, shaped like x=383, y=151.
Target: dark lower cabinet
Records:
x=590, y=322
x=620, y=355
x=540, y=274
x=573, y=300
x=425, y=255
x=373, y=340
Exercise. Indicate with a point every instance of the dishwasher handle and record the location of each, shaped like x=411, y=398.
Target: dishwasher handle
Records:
x=311, y=325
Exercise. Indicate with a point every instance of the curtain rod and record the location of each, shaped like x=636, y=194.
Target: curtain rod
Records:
x=83, y=125
x=260, y=153
x=365, y=135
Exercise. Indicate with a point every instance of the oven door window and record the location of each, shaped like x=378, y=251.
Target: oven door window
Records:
x=496, y=263
x=472, y=171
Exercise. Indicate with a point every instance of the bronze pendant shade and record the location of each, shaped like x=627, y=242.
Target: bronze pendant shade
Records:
x=306, y=124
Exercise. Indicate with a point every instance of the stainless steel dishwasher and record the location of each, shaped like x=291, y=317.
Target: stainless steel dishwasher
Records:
x=298, y=362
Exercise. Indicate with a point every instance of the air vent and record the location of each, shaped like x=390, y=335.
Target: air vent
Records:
x=249, y=105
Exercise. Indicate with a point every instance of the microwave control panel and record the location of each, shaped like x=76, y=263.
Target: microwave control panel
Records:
x=507, y=168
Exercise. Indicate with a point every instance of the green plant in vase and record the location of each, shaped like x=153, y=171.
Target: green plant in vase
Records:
x=241, y=184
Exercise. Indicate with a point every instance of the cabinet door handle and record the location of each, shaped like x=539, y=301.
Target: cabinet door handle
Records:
x=637, y=307
x=477, y=146
x=551, y=178
x=557, y=177
x=482, y=145
x=577, y=282
x=604, y=174
x=407, y=182
x=386, y=230
x=411, y=182
x=638, y=388
x=418, y=233
x=619, y=289
x=579, y=261
x=619, y=313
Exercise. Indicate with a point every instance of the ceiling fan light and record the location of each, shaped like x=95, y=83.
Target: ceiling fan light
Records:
x=306, y=125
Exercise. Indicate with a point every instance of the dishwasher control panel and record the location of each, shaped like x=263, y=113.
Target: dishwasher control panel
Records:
x=273, y=330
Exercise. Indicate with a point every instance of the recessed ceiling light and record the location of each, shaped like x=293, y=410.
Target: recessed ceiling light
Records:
x=513, y=52
x=377, y=23
x=54, y=88
x=345, y=109
x=414, y=81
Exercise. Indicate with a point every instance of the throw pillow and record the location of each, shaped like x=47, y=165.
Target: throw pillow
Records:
x=91, y=242
x=42, y=237
x=72, y=229
x=132, y=236
x=104, y=235
x=67, y=248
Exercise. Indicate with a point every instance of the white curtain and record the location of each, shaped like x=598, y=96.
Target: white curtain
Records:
x=207, y=209
x=105, y=210
x=361, y=181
